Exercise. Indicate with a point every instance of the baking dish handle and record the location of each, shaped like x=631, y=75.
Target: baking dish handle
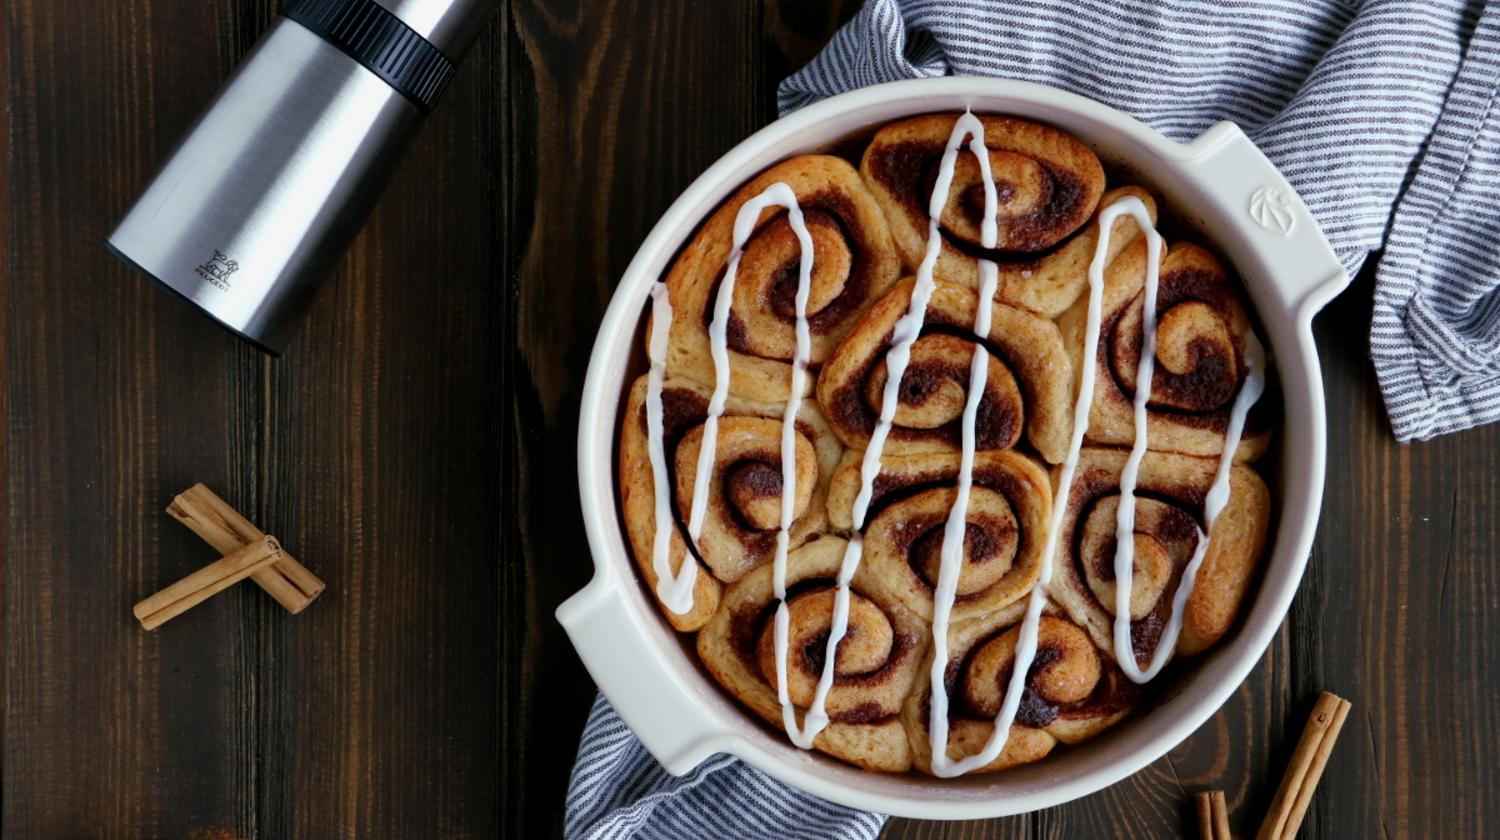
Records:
x=1299, y=271
x=674, y=726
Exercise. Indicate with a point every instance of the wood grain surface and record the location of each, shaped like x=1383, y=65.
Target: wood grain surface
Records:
x=413, y=448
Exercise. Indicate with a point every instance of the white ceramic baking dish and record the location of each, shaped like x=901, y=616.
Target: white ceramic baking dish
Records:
x=1222, y=184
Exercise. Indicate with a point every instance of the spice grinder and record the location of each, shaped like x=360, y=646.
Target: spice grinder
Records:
x=263, y=195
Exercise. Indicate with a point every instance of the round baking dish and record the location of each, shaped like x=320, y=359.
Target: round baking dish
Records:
x=1225, y=187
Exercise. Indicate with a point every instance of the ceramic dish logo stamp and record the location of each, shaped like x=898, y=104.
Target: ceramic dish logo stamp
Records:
x=1271, y=208
x=217, y=270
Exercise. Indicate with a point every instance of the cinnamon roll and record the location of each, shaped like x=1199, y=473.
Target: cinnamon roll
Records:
x=1028, y=389
x=1170, y=495
x=874, y=670
x=1073, y=690
x=1048, y=185
x=743, y=508
x=1201, y=333
x=1005, y=527
x=818, y=444
x=853, y=262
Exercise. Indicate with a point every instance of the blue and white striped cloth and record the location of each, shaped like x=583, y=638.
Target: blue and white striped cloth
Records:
x=1380, y=113
x=619, y=791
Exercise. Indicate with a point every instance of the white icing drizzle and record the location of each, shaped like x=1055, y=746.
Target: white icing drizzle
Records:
x=1217, y=498
x=782, y=194
x=1026, y=643
x=951, y=555
x=778, y=194
x=718, y=331
x=905, y=333
x=1213, y=503
x=677, y=594
x=674, y=591
x=1125, y=512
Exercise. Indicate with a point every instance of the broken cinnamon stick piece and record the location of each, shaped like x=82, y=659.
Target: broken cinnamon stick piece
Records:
x=1221, y=816
x=206, y=582
x=1305, y=769
x=222, y=527
x=1204, y=802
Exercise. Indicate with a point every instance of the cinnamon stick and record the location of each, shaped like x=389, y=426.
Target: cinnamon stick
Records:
x=206, y=582
x=1213, y=815
x=1305, y=769
x=1204, y=801
x=222, y=527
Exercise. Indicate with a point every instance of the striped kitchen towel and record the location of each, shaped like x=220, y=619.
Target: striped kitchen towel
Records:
x=619, y=791
x=1380, y=113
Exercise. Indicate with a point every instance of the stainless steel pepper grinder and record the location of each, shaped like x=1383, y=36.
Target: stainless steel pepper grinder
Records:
x=264, y=194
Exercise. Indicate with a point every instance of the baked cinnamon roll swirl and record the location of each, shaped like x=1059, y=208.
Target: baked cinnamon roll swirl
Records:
x=1028, y=389
x=853, y=262
x=743, y=508
x=1073, y=691
x=875, y=668
x=1048, y=185
x=1004, y=535
x=1201, y=333
x=1170, y=494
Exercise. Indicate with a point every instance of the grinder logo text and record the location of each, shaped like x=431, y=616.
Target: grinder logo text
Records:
x=218, y=269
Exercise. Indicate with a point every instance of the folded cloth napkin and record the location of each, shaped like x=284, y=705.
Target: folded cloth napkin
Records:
x=619, y=791
x=1369, y=107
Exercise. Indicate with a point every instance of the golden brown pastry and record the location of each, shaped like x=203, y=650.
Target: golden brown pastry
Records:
x=744, y=501
x=877, y=660
x=1048, y=185
x=853, y=262
x=1073, y=691
x=1200, y=355
x=1028, y=389
x=1169, y=506
x=1009, y=504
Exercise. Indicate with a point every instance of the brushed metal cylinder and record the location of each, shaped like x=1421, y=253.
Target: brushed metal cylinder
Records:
x=262, y=197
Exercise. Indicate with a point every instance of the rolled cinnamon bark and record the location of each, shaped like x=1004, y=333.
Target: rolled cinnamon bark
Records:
x=206, y=582
x=1294, y=795
x=224, y=528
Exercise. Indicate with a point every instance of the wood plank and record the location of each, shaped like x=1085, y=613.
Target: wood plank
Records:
x=1399, y=612
x=118, y=397
x=610, y=128
x=385, y=431
x=385, y=724
x=618, y=106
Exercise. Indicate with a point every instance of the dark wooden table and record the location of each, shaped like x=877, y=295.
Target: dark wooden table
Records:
x=413, y=448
